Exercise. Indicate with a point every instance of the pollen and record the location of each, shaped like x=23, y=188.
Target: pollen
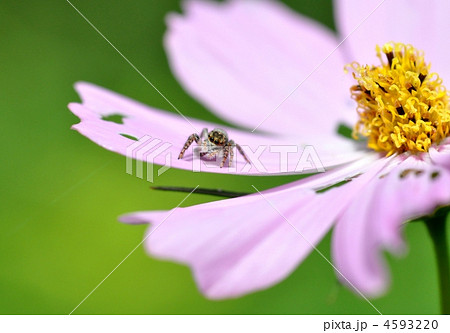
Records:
x=402, y=106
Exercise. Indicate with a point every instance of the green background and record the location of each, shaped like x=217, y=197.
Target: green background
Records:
x=61, y=193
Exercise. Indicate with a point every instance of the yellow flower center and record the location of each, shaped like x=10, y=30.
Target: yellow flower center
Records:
x=402, y=106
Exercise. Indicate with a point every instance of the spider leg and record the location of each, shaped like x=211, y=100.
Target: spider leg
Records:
x=192, y=138
x=226, y=150
x=231, y=145
x=241, y=151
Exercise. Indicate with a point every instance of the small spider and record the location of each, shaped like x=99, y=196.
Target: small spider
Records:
x=212, y=144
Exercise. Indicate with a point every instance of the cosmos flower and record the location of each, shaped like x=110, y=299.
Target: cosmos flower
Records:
x=241, y=59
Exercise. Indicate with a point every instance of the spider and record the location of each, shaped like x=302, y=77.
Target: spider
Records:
x=212, y=143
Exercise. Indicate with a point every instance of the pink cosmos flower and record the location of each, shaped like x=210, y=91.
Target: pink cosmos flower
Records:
x=241, y=59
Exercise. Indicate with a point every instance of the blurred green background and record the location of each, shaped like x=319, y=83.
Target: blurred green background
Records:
x=61, y=193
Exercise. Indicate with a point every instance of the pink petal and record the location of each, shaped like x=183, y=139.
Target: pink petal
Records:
x=374, y=221
x=425, y=25
x=243, y=58
x=170, y=132
x=440, y=155
x=346, y=172
x=241, y=245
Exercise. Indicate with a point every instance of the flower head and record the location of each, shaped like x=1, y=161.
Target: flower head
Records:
x=402, y=106
x=241, y=59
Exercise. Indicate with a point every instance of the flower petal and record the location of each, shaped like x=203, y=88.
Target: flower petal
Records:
x=164, y=134
x=241, y=245
x=343, y=173
x=440, y=155
x=243, y=58
x=373, y=221
x=424, y=25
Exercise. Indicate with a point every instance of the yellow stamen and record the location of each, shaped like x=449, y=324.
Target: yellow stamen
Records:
x=402, y=107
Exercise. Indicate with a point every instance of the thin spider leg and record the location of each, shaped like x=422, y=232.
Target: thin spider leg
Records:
x=192, y=138
x=241, y=151
x=231, y=149
x=226, y=151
